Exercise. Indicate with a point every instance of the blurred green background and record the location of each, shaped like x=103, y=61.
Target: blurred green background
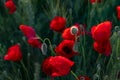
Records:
x=38, y=14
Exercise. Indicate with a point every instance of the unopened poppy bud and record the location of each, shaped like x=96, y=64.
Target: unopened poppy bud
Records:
x=75, y=47
x=44, y=48
x=74, y=30
x=116, y=28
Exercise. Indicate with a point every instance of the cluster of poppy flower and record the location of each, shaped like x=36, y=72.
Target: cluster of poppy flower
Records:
x=101, y=35
x=60, y=65
x=64, y=51
x=65, y=48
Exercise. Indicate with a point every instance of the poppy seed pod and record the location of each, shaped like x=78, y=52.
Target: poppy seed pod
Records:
x=73, y=30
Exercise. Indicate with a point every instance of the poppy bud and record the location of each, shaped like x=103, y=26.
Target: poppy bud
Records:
x=44, y=48
x=116, y=28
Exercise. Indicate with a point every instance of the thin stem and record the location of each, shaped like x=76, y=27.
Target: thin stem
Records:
x=76, y=38
x=117, y=47
x=84, y=66
x=14, y=69
x=74, y=75
x=9, y=78
x=98, y=58
x=84, y=39
x=109, y=63
x=25, y=69
x=40, y=38
x=51, y=48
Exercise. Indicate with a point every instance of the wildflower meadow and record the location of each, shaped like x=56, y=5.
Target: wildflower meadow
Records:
x=59, y=39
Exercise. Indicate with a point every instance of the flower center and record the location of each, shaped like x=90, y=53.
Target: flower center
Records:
x=67, y=50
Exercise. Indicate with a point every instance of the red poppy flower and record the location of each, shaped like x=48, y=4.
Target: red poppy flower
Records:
x=34, y=42
x=83, y=78
x=101, y=35
x=93, y=1
x=102, y=31
x=27, y=31
x=11, y=6
x=118, y=12
x=14, y=53
x=58, y=24
x=57, y=66
x=103, y=48
x=30, y=33
x=65, y=48
x=68, y=35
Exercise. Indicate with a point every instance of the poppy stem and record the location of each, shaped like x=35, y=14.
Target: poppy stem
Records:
x=117, y=47
x=13, y=67
x=51, y=48
x=117, y=51
x=8, y=77
x=25, y=69
x=83, y=54
x=98, y=58
x=40, y=38
x=74, y=75
x=76, y=38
